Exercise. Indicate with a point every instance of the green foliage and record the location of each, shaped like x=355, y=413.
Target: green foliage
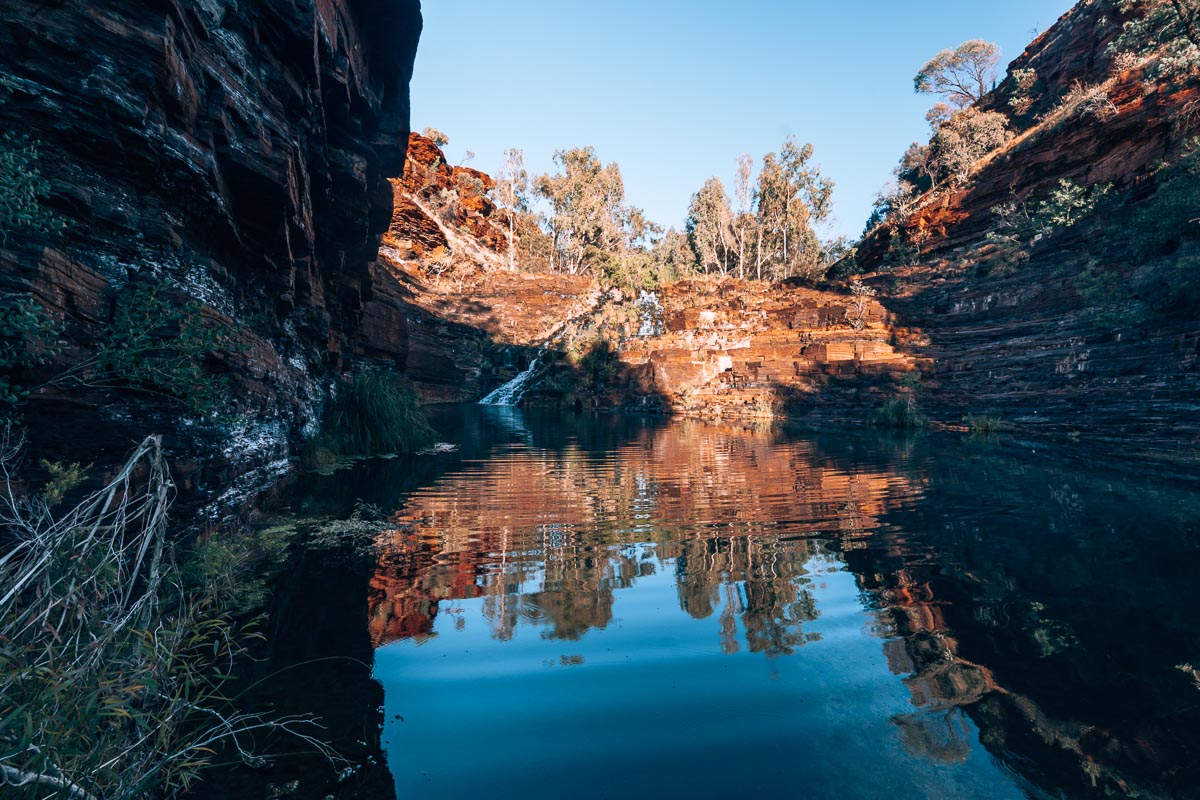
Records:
x=792, y=198
x=151, y=345
x=437, y=137
x=598, y=366
x=22, y=188
x=588, y=210
x=1105, y=294
x=1173, y=212
x=962, y=75
x=1024, y=91
x=155, y=346
x=1021, y=225
x=900, y=413
x=1167, y=32
x=376, y=413
x=111, y=674
x=28, y=338
x=856, y=312
x=1183, y=285
x=984, y=424
x=1067, y=204
x=232, y=571
x=64, y=478
x=963, y=140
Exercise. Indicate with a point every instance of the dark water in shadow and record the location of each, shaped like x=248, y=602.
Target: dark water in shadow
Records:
x=606, y=607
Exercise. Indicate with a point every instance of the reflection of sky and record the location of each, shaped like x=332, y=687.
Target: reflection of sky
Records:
x=666, y=577
x=652, y=706
x=510, y=419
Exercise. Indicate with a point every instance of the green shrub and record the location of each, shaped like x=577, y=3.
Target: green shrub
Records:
x=157, y=346
x=28, y=337
x=152, y=345
x=984, y=424
x=114, y=679
x=22, y=188
x=64, y=478
x=1183, y=285
x=233, y=570
x=1106, y=296
x=898, y=412
x=376, y=413
x=1163, y=220
x=1021, y=224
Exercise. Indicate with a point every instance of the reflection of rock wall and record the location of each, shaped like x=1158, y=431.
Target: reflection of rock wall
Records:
x=1051, y=627
x=549, y=536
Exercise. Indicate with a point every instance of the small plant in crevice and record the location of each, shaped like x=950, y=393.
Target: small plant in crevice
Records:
x=984, y=424
x=898, y=412
x=22, y=189
x=156, y=346
x=28, y=338
x=375, y=413
x=856, y=313
x=901, y=411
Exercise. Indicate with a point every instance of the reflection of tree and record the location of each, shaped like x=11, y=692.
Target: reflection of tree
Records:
x=764, y=584
x=547, y=537
x=943, y=735
x=775, y=614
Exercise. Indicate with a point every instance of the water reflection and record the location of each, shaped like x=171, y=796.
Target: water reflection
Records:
x=859, y=617
x=548, y=536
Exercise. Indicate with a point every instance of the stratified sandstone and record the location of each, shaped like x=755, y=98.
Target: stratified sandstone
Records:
x=1022, y=343
x=234, y=154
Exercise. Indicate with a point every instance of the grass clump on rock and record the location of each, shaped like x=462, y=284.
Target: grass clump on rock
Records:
x=900, y=413
x=376, y=413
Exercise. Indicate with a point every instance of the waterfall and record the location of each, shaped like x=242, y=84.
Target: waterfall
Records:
x=510, y=394
x=650, y=313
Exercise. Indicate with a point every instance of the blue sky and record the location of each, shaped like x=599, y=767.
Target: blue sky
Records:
x=675, y=90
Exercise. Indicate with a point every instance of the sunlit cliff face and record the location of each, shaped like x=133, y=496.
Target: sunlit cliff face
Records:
x=549, y=535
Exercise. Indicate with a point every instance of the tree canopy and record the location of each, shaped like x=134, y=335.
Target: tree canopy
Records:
x=961, y=75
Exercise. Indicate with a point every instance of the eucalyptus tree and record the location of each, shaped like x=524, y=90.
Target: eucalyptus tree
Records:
x=436, y=136
x=962, y=75
x=592, y=229
x=743, y=192
x=792, y=198
x=710, y=227
x=512, y=194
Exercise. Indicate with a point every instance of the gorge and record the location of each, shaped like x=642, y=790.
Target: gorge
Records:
x=924, y=507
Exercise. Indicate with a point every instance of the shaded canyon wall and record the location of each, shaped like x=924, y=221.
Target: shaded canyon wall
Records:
x=230, y=157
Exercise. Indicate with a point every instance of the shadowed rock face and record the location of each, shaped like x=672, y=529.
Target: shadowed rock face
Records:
x=234, y=154
x=1023, y=343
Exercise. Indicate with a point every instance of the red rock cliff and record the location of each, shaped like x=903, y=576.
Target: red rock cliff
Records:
x=1022, y=342
x=235, y=155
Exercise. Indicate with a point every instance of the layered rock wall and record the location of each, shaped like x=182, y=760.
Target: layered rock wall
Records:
x=1022, y=341
x=231, y=154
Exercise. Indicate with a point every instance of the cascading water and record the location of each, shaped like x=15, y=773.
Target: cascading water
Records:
x=510, y=394
x=650, y=313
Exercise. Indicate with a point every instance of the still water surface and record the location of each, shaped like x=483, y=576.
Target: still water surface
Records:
x=605, y=607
